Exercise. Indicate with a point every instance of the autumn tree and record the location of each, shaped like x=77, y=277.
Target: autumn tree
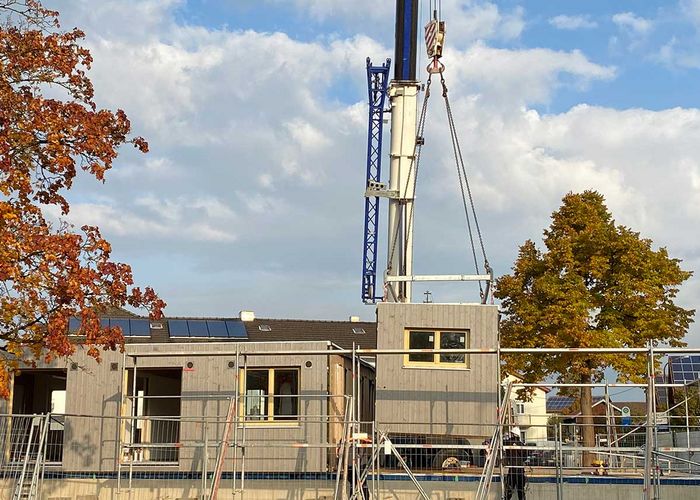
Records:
x=51, y=128
x=595, y=284
x=687, y=406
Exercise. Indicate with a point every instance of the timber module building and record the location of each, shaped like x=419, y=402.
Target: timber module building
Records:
x=282, y=390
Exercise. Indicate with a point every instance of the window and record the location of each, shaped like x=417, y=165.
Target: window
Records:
x=520, y=408
x=436, y=339
x=152, y=402
x=270, y=394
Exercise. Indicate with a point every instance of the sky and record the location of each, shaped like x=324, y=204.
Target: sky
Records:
x=251, y=197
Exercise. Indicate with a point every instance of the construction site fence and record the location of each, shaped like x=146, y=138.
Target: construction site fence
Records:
x=243, y=444
x=172, y=448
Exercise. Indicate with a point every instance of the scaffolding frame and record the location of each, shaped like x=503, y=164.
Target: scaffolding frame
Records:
x=352, y=422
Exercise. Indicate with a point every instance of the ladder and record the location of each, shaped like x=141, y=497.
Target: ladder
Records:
x=27, y=485
x=482, y=492
x=221, y=456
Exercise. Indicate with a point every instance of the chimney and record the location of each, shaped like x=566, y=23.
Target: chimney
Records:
x=247, y=316
x=354, y=319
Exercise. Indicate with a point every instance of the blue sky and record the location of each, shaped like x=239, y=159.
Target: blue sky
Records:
x=644, y=80
x=251, y=196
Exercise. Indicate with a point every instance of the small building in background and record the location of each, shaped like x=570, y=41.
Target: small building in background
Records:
x=529, y=414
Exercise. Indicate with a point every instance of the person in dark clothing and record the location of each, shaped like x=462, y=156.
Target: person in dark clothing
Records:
x=361, y=462
x=515, y=461
x=351, y=480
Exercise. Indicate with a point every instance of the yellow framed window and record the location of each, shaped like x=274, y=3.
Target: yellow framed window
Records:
x=270, y=394
x=419, y=340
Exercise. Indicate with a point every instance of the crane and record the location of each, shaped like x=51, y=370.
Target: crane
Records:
x=405, y=145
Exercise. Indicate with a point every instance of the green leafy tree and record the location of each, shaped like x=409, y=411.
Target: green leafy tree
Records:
x=678, y=414
x=596, y=284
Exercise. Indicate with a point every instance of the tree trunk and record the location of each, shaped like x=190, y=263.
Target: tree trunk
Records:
x=587, y=428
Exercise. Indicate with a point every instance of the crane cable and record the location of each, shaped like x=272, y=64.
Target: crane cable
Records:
x=464, y=182
x=464, y=186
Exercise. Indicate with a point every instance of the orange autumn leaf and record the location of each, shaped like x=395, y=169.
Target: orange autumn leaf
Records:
x=52, y=272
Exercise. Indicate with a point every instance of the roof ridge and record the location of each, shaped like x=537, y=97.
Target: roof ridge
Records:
x=236, y=318
x=317, y=321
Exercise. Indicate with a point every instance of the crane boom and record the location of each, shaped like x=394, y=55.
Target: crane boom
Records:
x=403, y=98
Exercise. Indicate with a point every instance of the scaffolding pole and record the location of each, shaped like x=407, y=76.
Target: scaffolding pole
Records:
x=648, y=455
x=236, y=395
x=353, y=418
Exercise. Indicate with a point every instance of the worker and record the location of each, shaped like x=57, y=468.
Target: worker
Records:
x=515, y=461
x=363, y=493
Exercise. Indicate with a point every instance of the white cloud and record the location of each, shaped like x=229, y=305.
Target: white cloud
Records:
x=535, y=73
x=467, y=20
x=564, y=22
x=321, y=10
x=270, y=156
x=199, y=218
x=306, y=136
x=675, y=54
x=691, y=9
x=632, y=23
x=150, y=166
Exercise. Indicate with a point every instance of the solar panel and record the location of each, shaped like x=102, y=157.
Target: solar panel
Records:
x=139, y=328
x=558, y=403
x=178, y=328
x=73, y=325
x=217, y=329
x=198, y=328
x=236, y=329
x=121, y=323
x=129, y=327
x=685, y=369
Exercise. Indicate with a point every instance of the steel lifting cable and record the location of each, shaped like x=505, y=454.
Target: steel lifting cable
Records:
x=464, y=182
x=414, y=168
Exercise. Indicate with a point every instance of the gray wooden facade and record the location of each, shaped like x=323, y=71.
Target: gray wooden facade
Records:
x=94, y=403
x=420, y=400
x=192, y=383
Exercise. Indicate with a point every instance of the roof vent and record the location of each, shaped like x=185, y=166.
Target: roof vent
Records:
x=354, y=319
x=156, y=326
x=265, y=328
x=358, y=331
x=247, y=315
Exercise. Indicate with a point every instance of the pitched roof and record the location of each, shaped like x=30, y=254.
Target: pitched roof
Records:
x=341, y=333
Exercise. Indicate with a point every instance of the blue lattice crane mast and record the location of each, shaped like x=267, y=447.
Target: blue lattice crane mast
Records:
x=377, y=80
